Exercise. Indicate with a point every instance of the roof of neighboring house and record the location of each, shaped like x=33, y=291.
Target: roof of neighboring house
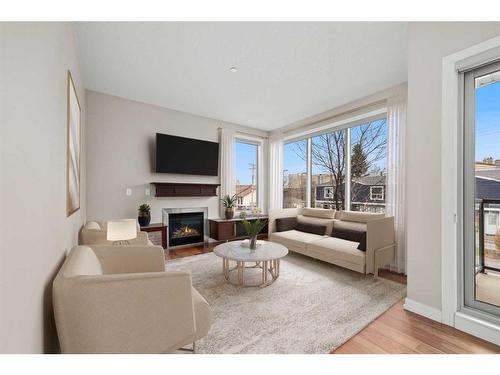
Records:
x=487, y=188
x=371, y=180
x=244, y=190
x=489, y=173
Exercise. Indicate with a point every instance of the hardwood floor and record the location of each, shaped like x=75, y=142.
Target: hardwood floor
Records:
x=396, y=331
x=401, y=332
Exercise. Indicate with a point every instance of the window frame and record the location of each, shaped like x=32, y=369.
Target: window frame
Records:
x=241, y=138
x=372, y=194
x=329, y=196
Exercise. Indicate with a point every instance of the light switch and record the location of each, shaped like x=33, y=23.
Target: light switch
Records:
x=147, y=192
x=128, y=192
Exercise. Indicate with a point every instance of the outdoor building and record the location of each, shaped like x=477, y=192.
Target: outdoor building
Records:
x=367, y=194
x=246, y=197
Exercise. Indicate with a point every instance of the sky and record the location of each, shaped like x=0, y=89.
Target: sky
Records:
x=246, y=154
x=488, y=121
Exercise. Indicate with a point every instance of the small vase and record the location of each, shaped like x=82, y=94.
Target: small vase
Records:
x=144, y=220
x=253, y=243
x=229, y=213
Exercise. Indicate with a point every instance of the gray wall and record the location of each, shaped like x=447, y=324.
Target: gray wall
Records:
x=35, y=232
x=120, y=155
x=428, y=44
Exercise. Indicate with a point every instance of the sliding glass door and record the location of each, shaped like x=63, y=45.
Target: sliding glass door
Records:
x=481, y=189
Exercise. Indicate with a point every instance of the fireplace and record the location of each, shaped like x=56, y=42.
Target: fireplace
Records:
x=186, y=226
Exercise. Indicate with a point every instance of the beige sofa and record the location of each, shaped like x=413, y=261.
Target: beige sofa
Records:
x=94, y=233
x=119, y=299
x=379, y=237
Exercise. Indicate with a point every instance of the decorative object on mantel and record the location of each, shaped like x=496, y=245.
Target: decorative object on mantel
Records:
x=253, y=228
x=229, y=202
x=144, y=216
x=120, y=231
x=73, y=150
x=176, y=189
x=243, y=214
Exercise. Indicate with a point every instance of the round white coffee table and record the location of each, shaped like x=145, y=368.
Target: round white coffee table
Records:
x=266, y=257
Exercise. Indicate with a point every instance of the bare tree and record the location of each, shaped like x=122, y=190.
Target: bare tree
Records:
x=329, y=154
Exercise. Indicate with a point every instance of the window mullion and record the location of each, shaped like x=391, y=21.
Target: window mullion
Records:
x=347, y=204
x=309, y=172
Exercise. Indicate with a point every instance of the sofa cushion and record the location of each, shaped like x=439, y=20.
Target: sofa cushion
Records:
x=286, y=223
x=360, y=227
x=294, y=238
x=360, y=217
x=338, y=248
x=347, y=232
x=319, y=212
x=311, y=228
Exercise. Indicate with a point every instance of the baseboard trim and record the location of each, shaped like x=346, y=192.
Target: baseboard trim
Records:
x=421, y=309
x=477, y=327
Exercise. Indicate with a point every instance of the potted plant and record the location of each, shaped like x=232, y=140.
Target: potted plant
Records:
x=144, y=216
x=253, y=228
x=229, y=203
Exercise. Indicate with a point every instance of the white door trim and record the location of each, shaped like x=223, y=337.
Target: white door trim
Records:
x=450, y=123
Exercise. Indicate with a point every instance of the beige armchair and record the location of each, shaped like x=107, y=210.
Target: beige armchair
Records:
x=94, y=233
x=119, y=299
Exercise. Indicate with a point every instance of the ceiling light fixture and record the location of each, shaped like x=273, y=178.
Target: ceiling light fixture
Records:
x=233, y=69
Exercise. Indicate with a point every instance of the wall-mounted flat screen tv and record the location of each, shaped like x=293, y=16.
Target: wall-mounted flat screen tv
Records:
x=186, y=155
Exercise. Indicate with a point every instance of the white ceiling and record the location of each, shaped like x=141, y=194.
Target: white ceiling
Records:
x=286, y=71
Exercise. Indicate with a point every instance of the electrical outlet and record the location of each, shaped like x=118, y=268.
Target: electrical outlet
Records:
x=147, y=192
x=128, y=192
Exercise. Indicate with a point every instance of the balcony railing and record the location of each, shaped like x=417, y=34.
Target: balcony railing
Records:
x=482, y=203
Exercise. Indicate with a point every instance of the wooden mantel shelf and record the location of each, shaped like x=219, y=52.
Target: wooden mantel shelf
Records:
x=176, y=189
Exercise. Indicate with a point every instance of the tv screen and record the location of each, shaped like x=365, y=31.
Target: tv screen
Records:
x=186, y=155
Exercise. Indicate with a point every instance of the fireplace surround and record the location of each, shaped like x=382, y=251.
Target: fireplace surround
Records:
x=186, y=226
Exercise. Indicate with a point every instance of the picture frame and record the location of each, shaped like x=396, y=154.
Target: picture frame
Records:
x=73, y=154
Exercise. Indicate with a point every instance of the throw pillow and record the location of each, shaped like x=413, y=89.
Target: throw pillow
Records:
x=311, y=228
x=345, y=232
x=362, y=243
x=285, y=223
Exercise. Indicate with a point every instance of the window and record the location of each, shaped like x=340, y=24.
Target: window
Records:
x=295, y=174
x=316, y=172
x=493, y=218
x=368, y=166
x=328, y=192
x=246, y=172
x=377, y=193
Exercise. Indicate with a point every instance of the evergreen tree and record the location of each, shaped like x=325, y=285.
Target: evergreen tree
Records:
x=359, y=165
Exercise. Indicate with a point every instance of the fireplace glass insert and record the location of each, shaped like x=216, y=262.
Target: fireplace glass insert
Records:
x=185, y=228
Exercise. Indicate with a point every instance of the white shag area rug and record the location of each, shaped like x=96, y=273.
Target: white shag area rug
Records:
x=313, y=307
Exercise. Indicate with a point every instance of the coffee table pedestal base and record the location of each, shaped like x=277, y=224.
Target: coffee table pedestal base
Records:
x=270, y=272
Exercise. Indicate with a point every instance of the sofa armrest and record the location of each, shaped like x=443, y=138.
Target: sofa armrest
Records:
x=126, y=313
x=277, y=213
x=130, y=259
x=379, y=234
